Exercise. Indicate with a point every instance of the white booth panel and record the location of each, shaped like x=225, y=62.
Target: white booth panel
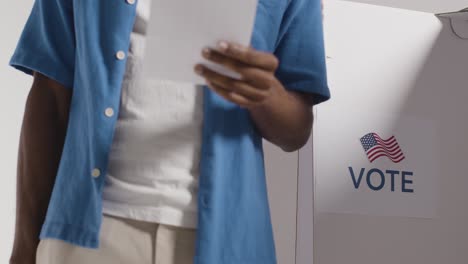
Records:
x=430, y=6
x=396, y=73
x=281, y=174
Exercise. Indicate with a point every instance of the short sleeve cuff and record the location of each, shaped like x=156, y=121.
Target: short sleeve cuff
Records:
x=320, y=90
x=28, y=62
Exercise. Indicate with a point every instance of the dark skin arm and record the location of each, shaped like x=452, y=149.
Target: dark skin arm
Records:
x=41, y=143
x=283, y=117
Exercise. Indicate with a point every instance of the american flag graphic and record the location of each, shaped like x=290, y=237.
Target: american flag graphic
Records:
x=377, y=147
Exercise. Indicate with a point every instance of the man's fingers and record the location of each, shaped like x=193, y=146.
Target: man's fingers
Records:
x=248, y=55
x=230, y=96
x=257, y=77
x=232, y=85
x=228, y=62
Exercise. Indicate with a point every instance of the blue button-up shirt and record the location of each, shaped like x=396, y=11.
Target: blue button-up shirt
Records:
x=80, y=44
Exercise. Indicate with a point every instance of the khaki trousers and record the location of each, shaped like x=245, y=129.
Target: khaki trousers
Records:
x=125, y=241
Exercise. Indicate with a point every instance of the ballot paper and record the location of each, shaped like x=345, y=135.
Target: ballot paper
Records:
x=178, y=30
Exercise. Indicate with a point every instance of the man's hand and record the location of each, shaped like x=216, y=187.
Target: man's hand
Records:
x=41, y=142
x=257, y=70
x=284, y=117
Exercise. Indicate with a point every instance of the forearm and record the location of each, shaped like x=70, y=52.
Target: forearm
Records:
x=285, y=119
x=41, y=141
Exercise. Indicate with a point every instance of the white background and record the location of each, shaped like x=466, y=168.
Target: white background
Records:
x=431, y=6
x=13, y=92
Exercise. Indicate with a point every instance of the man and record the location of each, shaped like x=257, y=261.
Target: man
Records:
x=117, y=169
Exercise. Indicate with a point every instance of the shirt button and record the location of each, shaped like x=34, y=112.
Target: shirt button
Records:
x=120, y=55
x=109, y=112
x=131, y=2
x=96, y=173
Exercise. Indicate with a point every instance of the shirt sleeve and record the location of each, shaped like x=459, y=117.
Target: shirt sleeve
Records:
x=300, y=49
x=47, y=42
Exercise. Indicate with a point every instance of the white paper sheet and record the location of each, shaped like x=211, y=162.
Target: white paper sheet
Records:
x=179, y=29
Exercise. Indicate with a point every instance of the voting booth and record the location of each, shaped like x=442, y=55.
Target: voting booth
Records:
x=390, y=149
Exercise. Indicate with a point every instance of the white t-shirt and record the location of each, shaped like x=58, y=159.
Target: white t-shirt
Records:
x=154, y=160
